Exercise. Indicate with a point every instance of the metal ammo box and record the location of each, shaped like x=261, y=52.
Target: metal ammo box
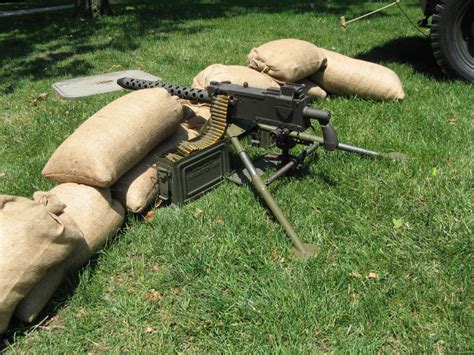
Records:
x=188, y=178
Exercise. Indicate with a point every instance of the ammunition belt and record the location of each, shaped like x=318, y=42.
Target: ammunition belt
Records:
x=213, y=131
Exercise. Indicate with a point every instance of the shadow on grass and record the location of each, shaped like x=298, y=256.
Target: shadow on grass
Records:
x=413, y=51
x=48, y=318
x=51, y=45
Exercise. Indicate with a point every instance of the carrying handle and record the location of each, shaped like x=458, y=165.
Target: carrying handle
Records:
x=329, y=133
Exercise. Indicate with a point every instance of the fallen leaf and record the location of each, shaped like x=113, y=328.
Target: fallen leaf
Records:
x=355, y=275
x=373, y=275
x=397, y=223
x=220, y=221
x=453, y=121
x=149, y=330
x=317, y=209
x=197, y=212
x=175, y=290
x=42, y=96
x=434, y=171
x=153, y=296
x=80, y=313
x=149, y=215
x=277, y=257
x=54, y=322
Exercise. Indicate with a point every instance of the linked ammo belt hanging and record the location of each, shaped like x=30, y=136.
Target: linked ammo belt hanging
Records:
x=212, y=133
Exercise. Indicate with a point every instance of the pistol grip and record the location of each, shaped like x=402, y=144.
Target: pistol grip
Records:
x=330, y=138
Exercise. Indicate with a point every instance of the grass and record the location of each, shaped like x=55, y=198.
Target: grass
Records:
x=186, y=282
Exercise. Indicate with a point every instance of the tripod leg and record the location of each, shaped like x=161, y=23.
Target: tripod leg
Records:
x=301, y=249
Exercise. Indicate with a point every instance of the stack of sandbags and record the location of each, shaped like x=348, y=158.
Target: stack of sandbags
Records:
x=97, y=215
x=238, y=75
x=321, y=70
x=287, y=60
x=114, y=139
x=290, y=60
x=139, y=187
x=34, y=236
x=104, y=148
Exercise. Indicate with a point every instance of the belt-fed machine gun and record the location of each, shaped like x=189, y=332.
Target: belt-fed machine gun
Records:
x=201, y=163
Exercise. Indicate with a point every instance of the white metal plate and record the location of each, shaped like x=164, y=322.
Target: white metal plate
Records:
x=97, y=84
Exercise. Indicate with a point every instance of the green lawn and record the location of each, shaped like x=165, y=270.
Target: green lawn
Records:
x=184, y=281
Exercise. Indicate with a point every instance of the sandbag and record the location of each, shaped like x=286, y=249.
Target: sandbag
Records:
x=236, y=74
x=115, y=138
x=139, y=186
x=314, y=91
x=287, y=60
x=97, y=215
x=195, y=115
x=33, y=238
x=354, y=77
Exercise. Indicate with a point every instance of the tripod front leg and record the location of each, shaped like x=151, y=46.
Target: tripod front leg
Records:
x=301, y=249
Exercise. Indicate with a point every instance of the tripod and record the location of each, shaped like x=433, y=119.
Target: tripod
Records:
x=285, y=140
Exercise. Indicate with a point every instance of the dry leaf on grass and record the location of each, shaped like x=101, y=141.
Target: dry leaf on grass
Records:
x=397, y=223
x=42, y=96
x=197, y=212
x=149, y=330
x=149, y=215
x=373, y=276
x=153, y=296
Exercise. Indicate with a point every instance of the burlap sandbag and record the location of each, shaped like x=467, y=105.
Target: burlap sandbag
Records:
x=287, y=60
x=33, y=238
x=114, y=139
x=354, y=77
x=313, y=90
x=97, y=215
x=138, y=188
x=236, y=74
x=195, y=115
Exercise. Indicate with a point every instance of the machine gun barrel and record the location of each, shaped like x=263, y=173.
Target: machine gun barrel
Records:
x=184, y=92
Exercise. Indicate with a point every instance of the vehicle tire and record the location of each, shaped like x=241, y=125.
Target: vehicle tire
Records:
x=452, y=37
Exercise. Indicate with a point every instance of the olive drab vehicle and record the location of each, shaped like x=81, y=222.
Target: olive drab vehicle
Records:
x=452, y=35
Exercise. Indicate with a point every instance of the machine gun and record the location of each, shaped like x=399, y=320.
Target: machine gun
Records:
x=200, y=164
